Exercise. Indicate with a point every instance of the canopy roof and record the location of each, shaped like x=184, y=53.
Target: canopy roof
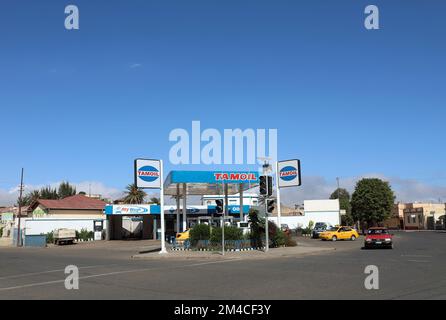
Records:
x=209, y=182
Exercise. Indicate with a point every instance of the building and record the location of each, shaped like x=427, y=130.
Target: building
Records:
x=75, y=212
x=77, y=206
x=327, y=211
x=420, y=215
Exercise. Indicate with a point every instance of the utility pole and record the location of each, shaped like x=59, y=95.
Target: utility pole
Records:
x=337, y=180
x=19, y=235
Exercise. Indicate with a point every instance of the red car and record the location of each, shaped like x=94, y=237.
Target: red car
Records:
x=378, y=237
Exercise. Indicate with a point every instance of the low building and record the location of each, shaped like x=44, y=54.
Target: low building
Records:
x=327, y=211
x=421, y=216
x=75, y=212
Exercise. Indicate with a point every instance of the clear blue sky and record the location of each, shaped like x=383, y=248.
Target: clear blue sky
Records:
x=81, y=105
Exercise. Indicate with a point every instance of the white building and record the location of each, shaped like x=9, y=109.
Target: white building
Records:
x=314, y=210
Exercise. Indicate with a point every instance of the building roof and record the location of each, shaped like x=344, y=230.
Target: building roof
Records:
x=76, y=202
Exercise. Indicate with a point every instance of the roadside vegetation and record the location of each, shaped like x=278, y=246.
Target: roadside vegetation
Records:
x=65, y=189
x=370, y=204
x=204, y=236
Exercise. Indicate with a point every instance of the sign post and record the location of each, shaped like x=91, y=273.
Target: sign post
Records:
x=288, y=174
x=149, y=175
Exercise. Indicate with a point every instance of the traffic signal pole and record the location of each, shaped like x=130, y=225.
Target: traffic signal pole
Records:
x=279, y=211
x=266, y=217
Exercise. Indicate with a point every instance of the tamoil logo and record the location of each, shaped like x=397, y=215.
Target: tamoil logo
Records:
x=148, y=173
x=288, y=173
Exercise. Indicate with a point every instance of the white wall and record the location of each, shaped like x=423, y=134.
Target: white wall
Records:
x=293, y=222
x=39, y=226
x=321, y=205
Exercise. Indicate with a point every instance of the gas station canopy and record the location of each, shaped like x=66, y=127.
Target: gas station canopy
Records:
x=210, y=182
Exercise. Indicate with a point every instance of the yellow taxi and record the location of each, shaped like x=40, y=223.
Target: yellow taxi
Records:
x=182, y=236
x=339, y=233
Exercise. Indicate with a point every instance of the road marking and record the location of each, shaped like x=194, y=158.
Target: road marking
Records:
x=422, y=261
x=52, y=271
x=416, y=256
x=113, y=273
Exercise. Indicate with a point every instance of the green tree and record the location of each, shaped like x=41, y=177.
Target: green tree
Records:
x=344, y=203
x=65, y=190
x=133, y=195
x=372, y=201
x=48, y=193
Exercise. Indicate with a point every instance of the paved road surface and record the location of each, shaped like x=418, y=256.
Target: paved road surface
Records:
x=415, y=269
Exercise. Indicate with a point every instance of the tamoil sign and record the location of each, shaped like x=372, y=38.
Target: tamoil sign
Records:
x=147, y=174
x=288, y=172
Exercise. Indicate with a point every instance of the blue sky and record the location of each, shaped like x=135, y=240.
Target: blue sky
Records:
x=81, y=105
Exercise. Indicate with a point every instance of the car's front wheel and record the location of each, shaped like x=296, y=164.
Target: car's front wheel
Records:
x=334, y=238
x=352, y=238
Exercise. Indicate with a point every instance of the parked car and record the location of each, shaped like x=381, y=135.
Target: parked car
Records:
x=182, y=236
x=339, y=233
x=378, y=237
x=318, y=228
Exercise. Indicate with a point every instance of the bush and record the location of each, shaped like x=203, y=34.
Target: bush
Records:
x=290, y=242
x=279, y=238
x=84, y=234
x=50, y=237
x=231, y=233
x=200, y=232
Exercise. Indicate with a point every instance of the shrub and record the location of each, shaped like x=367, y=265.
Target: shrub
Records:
x=200, y=232
x=216, y=235
x=50, y=237
x=279, y=238
x=84, y=234
x=290, y=242
x=231, y=233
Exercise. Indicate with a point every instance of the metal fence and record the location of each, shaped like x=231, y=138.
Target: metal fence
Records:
x=217, y=245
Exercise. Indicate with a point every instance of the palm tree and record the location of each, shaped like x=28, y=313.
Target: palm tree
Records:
x=133, y=195
x=32, y=196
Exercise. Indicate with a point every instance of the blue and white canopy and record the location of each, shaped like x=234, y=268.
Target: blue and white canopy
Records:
x=210, y=182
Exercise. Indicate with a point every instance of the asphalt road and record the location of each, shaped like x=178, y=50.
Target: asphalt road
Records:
x=414, y=269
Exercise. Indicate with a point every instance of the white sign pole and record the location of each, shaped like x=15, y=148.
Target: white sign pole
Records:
x=279, y=209
x=163, y=223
